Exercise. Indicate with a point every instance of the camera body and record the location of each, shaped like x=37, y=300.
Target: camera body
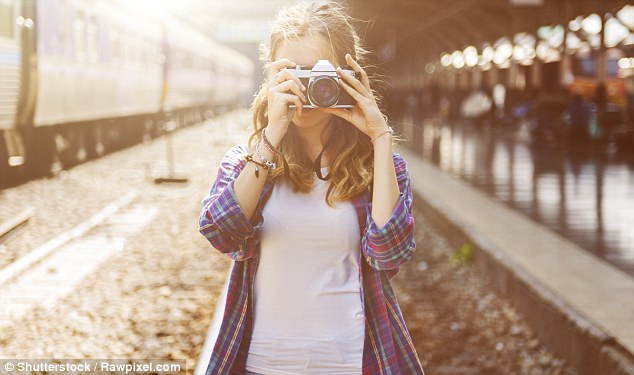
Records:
x=322, y=86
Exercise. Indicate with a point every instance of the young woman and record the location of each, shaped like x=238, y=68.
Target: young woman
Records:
x=316, y=213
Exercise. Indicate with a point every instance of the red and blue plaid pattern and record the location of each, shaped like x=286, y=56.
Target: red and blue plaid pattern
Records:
x=388, y=347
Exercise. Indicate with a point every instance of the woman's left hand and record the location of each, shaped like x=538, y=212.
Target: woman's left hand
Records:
x=365, y=115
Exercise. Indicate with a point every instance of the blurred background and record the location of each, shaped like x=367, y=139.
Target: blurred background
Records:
x=530, y=102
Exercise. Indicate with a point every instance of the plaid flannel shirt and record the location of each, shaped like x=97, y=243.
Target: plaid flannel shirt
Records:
x=388, y=348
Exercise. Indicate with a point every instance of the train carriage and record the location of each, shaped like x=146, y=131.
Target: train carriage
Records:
x=11, y=24
x=81, y=77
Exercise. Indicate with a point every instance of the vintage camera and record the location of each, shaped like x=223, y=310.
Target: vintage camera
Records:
x=322, y=86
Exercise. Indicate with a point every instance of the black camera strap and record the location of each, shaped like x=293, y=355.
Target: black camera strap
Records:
x=317, y=163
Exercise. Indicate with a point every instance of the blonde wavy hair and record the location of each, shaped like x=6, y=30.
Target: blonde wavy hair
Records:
x=352, y=153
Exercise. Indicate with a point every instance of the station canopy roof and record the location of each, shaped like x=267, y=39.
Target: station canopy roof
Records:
x=426, y=28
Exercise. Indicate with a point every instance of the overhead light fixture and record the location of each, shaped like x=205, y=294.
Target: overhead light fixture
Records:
x=487, y=53
x=470, y=56
x=445, y=60
x=457, y=60
x=592, y=24
x=615, y=32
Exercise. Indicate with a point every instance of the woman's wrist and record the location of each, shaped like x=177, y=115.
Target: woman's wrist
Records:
x=383, y=141
x=382, y=134
x=274, y=135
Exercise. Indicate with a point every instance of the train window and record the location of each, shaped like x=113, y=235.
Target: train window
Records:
x=92, y=39
x=182, y=59
x=151, y=53
x=187, y=63
x=7, y=23
x=153, y=56
x=144, y=52
x=178, y=59
x=65, y=31
x=115, y=45
x=131, y=50
x=156, y=54
x=79, y=29
x=125, y=45
x=138, y=53
x=128, y=44
x=138, y=50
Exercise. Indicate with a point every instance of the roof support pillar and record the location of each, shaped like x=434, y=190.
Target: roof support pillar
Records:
x=602, y=55
x=565, y=61
x=536, y=73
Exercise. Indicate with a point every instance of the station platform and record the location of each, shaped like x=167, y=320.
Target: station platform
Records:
x=580, y=306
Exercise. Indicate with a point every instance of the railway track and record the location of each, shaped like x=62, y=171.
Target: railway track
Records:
x=57, y=267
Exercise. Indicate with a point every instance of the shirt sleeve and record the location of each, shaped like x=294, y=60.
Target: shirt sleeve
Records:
x=222, y=222
x=387, y=247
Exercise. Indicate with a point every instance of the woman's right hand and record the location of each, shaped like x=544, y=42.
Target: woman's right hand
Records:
x=284, y=88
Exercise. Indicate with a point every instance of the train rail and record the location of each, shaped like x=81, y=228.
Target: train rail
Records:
x=10, y=226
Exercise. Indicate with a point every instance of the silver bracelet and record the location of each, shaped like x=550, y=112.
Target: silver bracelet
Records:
x=389, y=130
x=263, y=158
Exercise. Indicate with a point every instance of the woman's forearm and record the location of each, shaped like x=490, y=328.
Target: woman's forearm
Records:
x=385, y=190
x=248, y=187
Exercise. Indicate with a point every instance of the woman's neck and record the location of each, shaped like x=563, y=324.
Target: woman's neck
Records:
x=314, y=139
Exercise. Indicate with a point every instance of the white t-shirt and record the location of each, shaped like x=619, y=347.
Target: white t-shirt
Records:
x=308, y=313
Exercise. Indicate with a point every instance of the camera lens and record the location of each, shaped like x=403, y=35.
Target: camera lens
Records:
x=324, y=91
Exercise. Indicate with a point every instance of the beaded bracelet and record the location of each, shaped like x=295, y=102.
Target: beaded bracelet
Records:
x=268, y=144
x=263, y=158
x=249, y=158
